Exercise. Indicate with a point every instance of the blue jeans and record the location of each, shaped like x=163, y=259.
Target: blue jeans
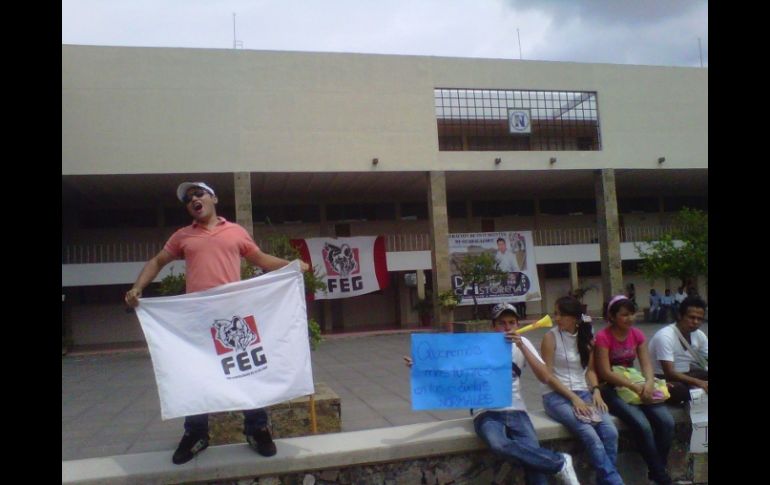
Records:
x=652, y=427
x=253, y=419
x=600, y=440
x=510, y=434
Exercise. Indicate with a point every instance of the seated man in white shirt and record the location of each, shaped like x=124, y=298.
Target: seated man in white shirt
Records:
x=682, y=367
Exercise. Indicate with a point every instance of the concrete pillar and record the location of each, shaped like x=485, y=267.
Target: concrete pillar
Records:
x=420, y=284
x=439, y=236
x=609, y=233
x=242, y=183
x=573, y=276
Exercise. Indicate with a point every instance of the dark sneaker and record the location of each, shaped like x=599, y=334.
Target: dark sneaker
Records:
x=190, y=446
x=262, y=442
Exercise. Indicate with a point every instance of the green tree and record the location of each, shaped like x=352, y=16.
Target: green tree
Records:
x=682, y=253
x=477, y=272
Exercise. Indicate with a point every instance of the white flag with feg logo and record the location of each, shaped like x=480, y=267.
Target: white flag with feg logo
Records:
x=238, y=346
x=351, y=266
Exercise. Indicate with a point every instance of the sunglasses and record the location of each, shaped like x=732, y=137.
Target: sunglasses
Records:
x=198, y=193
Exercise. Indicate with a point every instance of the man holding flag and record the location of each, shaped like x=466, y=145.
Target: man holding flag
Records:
x=212, y=248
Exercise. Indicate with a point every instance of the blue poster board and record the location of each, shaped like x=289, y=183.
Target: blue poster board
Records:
x=460, y=371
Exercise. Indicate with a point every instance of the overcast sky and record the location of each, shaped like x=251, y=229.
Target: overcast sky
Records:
x=649, y=32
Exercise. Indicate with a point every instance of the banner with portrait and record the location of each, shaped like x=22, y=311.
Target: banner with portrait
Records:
x=514, y=252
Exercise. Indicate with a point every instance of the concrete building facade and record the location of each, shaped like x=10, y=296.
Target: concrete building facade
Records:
x=410, y=147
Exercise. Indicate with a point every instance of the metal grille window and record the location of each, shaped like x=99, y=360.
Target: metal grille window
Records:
x=496, y=119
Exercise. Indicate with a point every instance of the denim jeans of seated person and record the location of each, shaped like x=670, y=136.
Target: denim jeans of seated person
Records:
x=600, y=440
x=652, y=427
x=510, y=434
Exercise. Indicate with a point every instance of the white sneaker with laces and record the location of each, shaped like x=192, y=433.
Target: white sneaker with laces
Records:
x=567, y=473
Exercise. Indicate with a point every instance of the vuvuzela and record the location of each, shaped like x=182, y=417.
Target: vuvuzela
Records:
x=544, y=322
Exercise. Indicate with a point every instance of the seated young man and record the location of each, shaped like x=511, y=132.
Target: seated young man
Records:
x=682, y=367
x=508, y=431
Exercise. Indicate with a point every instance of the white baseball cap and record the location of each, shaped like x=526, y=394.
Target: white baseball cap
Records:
x=184, y=186
x=498, y=310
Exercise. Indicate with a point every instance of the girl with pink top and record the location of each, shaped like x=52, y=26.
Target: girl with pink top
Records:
x=650, y=422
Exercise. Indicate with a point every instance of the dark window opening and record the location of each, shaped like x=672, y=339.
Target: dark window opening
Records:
x=675, y=204
x=414, y=210
x=556, y=270
x=500, y=208
x=112, y=218
x=589, y=268
x=456, y=209
x=638, y=204
x=567, y=206
x=361, y=212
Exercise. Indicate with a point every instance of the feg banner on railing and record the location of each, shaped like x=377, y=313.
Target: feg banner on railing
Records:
x=460, y=371
x=351, y=266
x=514, y=253
x=238, y=346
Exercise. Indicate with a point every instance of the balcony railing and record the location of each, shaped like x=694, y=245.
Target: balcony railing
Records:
x=142, y=251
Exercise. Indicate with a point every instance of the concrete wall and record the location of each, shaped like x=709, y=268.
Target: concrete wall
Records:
x=165, y=110
x=436, y=453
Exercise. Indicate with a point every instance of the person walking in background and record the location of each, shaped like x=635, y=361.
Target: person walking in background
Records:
x=654, y=305
x=680, y=352
x=212, y=249
x=666, y=304
x=567, y=350
x=650, y=422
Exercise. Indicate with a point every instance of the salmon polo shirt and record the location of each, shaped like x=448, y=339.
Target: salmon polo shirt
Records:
x=213, y=257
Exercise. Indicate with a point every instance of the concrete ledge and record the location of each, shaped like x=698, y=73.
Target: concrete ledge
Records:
x=304, y=453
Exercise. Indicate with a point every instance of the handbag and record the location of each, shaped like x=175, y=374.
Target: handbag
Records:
x=700, y=360
x=660, y=393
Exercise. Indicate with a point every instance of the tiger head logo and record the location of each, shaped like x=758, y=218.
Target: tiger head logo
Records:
x=340, y=259
x=234, y=334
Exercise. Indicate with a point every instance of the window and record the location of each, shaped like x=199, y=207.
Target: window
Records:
x=477, y=120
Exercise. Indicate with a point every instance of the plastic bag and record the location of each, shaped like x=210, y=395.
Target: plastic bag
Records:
x=659, y=394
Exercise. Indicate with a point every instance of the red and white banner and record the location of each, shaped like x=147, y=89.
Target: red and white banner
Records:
x=238, y=346
x=351, y=266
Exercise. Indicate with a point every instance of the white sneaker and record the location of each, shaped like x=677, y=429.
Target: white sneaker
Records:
x=567, y=473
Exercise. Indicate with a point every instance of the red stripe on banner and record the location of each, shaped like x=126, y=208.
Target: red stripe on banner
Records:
x=304, y=254
x=381, y=263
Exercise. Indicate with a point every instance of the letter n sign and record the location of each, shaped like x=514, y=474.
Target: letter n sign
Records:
x=519, y=121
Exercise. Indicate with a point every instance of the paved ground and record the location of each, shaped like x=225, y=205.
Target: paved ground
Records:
x=110, y=401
